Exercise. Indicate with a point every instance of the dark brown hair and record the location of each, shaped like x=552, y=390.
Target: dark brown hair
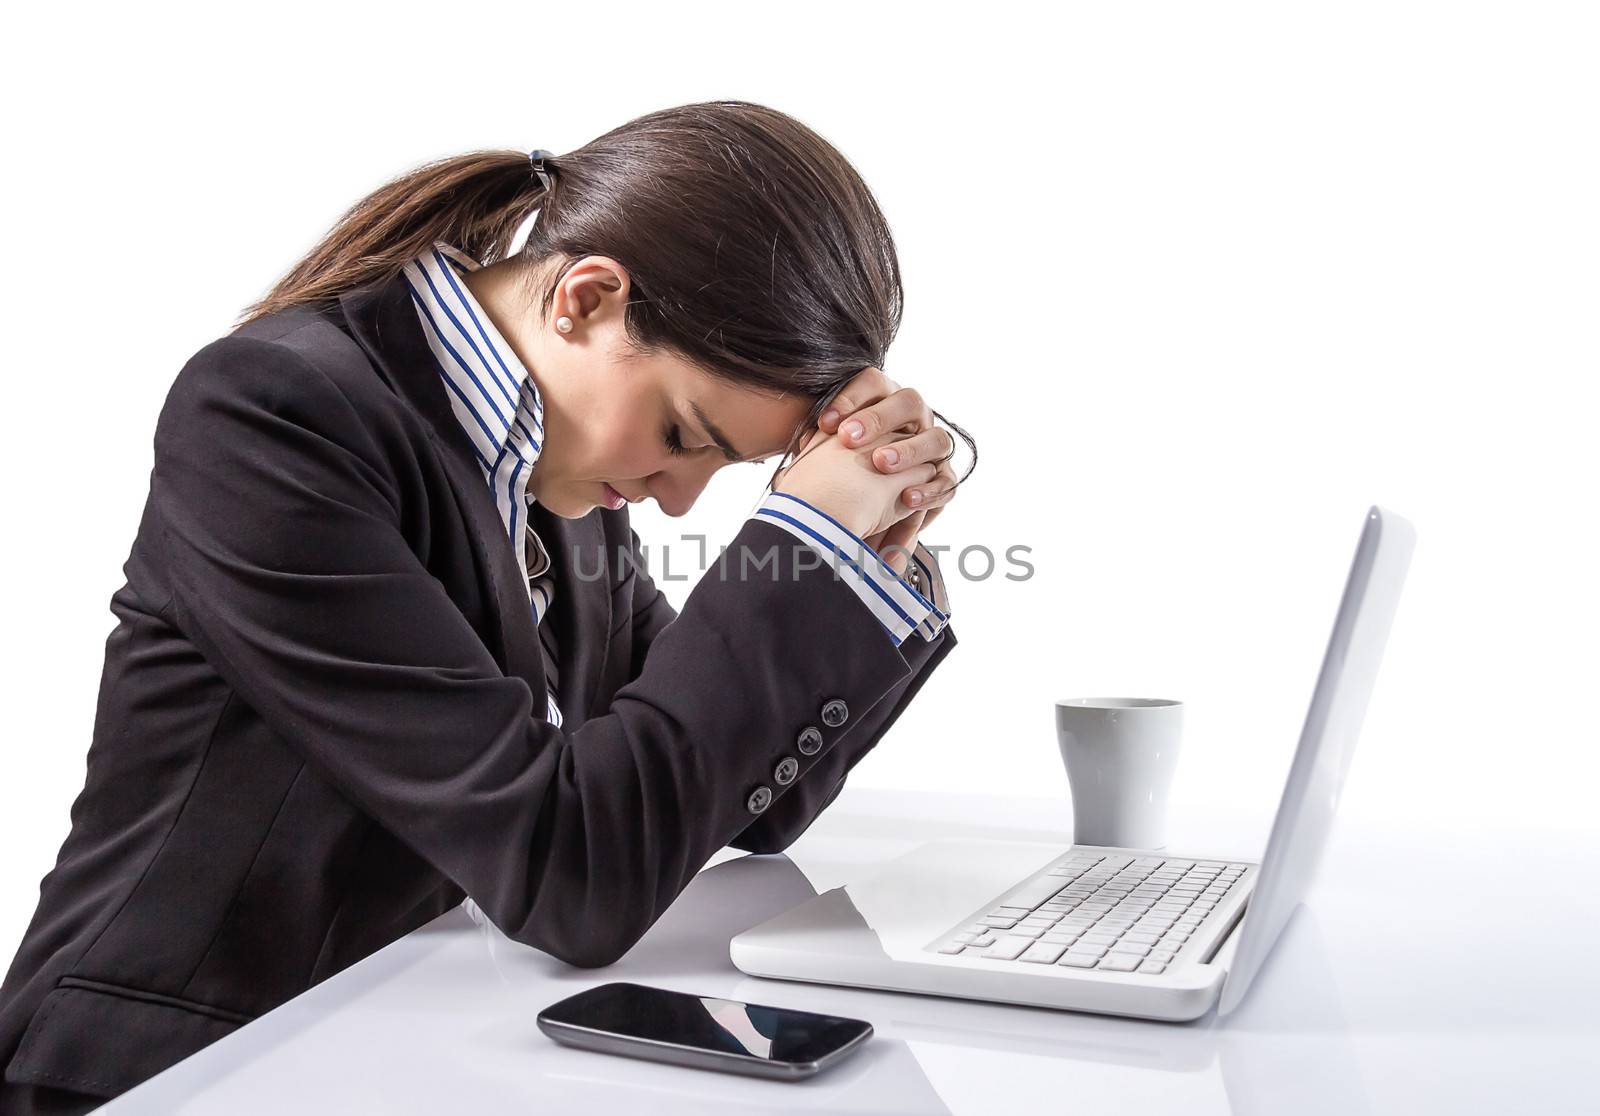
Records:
x=753, y=248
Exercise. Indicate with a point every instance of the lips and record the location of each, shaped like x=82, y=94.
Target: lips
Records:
x=614, y=499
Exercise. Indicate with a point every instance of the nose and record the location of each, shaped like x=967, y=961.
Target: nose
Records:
x=677, y=487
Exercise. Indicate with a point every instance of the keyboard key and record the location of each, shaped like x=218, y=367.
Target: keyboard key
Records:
x=1165, y=956
x=998, y=923
x=1138, y=949
x=1153, y=967
x=983, y=939
x=1026, y=931
x=1089, y=949
x=1008, y=948
x=963, y=937
x=1144, y=936
x=1031, y=895
x=1011, y=912
x=1078, y=960
x=1043, y=953
x=1120, y=962
x=953, y=947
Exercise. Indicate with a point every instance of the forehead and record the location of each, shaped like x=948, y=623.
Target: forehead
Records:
x=756, y=422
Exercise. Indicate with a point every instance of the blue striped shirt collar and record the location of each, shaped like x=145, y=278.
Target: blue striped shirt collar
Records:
x=482, y=373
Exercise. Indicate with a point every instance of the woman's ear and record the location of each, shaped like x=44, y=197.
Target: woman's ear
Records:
x=592, y=289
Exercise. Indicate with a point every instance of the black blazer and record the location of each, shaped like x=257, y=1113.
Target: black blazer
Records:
x=321, y=720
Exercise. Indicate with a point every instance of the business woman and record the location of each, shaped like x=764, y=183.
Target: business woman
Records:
x=387, y=641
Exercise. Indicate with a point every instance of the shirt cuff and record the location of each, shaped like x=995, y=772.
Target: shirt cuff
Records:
x=931, y=584
x=899, y=607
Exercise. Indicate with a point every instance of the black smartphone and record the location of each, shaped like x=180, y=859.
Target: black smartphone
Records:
x=706, y=1032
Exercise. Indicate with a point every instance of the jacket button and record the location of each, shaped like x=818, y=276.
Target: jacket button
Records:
x=788, y=767
x=809, y=741
x=759, y=799
x=835, y=713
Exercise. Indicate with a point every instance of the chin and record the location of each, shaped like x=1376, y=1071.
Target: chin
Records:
x=566, y=510
x=566, y=505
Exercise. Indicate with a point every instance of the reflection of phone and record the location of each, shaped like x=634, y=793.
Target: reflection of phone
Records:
x=702, y=1031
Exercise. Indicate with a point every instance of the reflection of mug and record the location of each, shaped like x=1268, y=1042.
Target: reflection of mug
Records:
x=1120, y=755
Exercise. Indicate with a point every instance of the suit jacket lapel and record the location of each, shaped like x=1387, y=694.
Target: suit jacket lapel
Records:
x=384, y=323
x=581, y=611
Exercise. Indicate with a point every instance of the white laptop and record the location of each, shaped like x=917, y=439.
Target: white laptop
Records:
x=1121, y=931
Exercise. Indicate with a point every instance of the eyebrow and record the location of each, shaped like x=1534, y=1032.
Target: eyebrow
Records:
x=717, y=436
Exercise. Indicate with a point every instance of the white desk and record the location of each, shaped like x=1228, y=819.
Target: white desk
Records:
x=1344, y=1019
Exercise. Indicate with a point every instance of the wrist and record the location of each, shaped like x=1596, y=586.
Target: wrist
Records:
x=842, y=512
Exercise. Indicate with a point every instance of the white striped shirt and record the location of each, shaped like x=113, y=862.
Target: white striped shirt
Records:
x=499, y=406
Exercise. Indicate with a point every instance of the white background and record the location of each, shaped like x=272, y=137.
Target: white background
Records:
x=1205, y=281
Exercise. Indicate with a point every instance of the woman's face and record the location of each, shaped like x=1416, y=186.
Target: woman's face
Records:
x=613, y=417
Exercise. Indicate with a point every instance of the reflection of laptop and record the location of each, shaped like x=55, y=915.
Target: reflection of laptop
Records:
x=1121, y=931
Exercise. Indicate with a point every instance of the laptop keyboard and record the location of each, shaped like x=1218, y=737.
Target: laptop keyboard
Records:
x=1113, y=913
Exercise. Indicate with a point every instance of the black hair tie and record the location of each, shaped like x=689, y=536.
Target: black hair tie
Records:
x=546, y=175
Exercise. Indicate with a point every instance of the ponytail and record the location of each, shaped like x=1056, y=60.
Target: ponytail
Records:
x=475, y=202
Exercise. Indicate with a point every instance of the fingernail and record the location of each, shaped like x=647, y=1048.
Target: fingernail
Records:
x=891, y=457
x=914, y=499
x=853, y=431
x=830, y=415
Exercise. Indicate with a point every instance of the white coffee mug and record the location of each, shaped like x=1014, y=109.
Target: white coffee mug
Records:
x=1120, y=755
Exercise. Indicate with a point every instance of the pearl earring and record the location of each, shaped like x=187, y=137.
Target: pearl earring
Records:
x=564, y=324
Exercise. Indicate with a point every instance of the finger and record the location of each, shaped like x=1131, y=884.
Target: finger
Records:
x=930, y=445
x=933, y=492
x=868, y=386
x=905, y=408
x=898, y=540
x=916, y=477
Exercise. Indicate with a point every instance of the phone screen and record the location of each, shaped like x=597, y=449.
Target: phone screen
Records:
x=707, y=1023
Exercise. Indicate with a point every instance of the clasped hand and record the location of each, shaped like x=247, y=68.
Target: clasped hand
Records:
x=877, y=463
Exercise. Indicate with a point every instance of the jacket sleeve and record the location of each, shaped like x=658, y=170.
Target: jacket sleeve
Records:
x=783, y=823
x=281, y=512
x=792, y=814
x=651, y=609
